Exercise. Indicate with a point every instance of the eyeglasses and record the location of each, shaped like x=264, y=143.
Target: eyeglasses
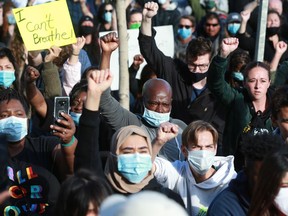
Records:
x=202, y=67
x=184, y=26
x=109, y=11
x=211, y=24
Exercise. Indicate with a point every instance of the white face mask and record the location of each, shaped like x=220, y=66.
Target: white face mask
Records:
x=281, y=200
x=201, y=160
x=155, y=118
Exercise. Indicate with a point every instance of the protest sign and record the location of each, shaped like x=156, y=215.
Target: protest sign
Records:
x=42, y=26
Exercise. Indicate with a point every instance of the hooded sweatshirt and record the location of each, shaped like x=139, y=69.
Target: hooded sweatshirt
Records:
x=196, y=196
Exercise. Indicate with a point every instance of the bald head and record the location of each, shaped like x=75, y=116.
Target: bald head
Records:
x=157, y=95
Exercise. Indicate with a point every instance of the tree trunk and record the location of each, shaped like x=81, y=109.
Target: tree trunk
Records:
x=123, y=53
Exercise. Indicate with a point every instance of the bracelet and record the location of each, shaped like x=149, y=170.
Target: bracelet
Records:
x=75, y=54
x=70, y=143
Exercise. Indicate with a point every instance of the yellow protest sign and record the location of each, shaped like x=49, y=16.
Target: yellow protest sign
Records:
x=42, y=26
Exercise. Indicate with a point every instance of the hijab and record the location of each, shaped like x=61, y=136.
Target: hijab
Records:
x=118, y=182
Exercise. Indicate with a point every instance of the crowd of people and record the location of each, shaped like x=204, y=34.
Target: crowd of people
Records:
x=207, y=129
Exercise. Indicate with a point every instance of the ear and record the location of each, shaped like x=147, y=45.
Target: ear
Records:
x=184, y=151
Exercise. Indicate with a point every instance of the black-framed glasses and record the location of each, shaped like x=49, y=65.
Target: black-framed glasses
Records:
x=109, y=11
x=184, y=26
x=202, y=67
x=212, y=24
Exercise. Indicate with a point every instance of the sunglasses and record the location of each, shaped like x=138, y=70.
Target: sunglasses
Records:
x=109, y=11
x=185, y=26
x=212, y=24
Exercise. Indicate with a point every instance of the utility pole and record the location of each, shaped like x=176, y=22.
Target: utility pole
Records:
x=123, y=53
x=261, y=30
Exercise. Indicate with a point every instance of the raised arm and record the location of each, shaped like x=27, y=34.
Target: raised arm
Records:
x=165, y=132
x=87, y=151
x=34, y=96
x=72, y=67
x=149, y=11
x=228, y=46
x=245, y=17
x=98, y=82
x=109, y=43
x=280, y=48
x=50, y=74
x=216, y=73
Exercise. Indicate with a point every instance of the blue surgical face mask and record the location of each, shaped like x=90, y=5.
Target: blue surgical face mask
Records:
x=7, y=78
x=11, y=19
x=201, y=160
x=134, y=167
x=155, y=118
x=184, y=33
x=75, y=117
x=108, y=17
x=14, y=128
x=233, y=28
x=238, y=76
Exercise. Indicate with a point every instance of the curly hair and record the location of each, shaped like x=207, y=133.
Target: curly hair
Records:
x=256, y=147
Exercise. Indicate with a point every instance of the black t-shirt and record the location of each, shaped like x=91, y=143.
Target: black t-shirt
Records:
x=38, y=151
x=33, y=190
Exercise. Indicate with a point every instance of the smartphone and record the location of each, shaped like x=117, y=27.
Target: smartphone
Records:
x=61, y=104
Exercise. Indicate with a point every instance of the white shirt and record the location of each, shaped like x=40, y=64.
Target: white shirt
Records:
x=197, y=197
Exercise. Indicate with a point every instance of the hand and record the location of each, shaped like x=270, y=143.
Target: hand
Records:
x=109, y=42
x=137, y=61
x=99, y=80
x=76, y=47
x=245, y=15
x=150, y=10
x=166, y=132
x=228, y=45
x=281, y=47
x=31, y=74
x=54, y=52
x=65, y=129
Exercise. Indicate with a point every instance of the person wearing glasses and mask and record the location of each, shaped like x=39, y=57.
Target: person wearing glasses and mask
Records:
x=202, y=175
x=191, y=99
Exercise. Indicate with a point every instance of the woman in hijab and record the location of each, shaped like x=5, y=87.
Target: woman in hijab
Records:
x=129, y=165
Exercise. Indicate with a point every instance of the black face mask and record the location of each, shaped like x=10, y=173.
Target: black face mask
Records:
x=86, y=30
x=196, y=77
x=272, y=31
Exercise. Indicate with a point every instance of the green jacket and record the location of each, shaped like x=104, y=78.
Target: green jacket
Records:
x=281, y=76
x=238, y=103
